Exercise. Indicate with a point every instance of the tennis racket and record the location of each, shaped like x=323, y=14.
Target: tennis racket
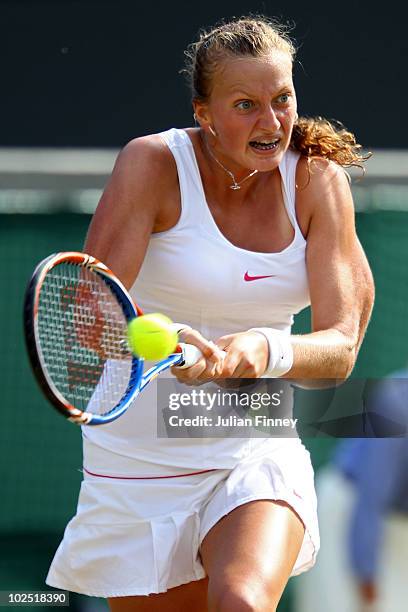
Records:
x=76, y=314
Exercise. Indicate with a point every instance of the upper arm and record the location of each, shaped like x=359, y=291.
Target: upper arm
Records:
x=130, y=206
x=340, y=280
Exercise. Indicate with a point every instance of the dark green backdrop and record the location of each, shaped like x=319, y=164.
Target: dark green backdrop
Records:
x=81, y=73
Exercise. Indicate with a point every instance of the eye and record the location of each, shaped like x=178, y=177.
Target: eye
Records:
x=283, y=98
x=244, y=105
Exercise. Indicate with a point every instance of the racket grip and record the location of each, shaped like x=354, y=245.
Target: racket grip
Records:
x=191, y=354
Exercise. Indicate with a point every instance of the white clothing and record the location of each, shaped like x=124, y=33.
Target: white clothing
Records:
x=193, y=274
x=136, y=537
x=135, y=533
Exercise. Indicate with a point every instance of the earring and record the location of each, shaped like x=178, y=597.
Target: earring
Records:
x=195, y=119
x=213, y=132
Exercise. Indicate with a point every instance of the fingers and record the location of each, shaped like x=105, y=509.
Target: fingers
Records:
x=246, y=355
x=241, y=355
x=208, y=367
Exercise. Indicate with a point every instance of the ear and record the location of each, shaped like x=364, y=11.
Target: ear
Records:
x=201, y=113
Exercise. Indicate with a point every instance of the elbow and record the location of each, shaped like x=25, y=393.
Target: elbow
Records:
x=345, y=358
x=353, y=342
x=349, y=361
x=336, y=363
x=366, y=308
x=344, y=365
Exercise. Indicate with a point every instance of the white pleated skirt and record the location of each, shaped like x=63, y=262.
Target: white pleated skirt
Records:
x=134, y=536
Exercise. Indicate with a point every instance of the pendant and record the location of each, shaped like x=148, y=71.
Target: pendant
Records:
x=235, y=187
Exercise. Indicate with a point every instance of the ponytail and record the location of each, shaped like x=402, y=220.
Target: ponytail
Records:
x=319, y=137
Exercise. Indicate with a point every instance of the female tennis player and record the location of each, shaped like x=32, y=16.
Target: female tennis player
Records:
x=230, y=228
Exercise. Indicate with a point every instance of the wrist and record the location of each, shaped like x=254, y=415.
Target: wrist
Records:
x=280, y=356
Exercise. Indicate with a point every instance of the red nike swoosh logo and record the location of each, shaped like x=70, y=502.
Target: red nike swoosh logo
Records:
x=247, y=277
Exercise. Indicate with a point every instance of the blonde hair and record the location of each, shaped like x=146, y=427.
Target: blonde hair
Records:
x=258, y=36
x=253, y=36
x=319, y=137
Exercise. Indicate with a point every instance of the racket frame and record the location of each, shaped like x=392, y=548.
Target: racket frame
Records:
x=31, y=305
x=184, y=356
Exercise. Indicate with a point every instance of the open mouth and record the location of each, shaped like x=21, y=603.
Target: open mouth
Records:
x=262, y=145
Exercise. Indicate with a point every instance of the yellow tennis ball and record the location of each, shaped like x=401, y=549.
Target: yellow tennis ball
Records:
x=152, y=337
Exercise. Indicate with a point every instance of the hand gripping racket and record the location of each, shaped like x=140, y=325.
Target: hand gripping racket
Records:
x=76, y=314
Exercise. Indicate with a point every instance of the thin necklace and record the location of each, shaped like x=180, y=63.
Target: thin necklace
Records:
x=234, y=185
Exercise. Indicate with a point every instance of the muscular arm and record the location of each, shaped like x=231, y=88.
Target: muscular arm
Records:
x=142, y=197
x=340, y=280
x=133, y=206
x=340, y=283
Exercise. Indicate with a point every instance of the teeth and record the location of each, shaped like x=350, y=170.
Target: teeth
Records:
x=266, y=141
x=264, y=144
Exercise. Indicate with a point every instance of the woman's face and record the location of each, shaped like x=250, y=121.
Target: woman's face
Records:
x=252, y=108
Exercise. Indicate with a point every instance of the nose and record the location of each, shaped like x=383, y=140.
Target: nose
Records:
x=268, y=119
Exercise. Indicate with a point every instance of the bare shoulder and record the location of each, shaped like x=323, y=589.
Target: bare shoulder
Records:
x=144, y=180
x=140, y=198
x=321, y=176
x=148, y=156
x=322, y=189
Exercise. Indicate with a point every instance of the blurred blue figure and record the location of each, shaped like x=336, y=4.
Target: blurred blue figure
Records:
x=363, y=499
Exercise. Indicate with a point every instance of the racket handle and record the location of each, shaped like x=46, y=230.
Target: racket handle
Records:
x=191, y=354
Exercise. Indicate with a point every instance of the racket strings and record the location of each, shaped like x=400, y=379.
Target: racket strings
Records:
x=82, y=334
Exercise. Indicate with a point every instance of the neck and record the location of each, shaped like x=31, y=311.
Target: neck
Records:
x=235, y=185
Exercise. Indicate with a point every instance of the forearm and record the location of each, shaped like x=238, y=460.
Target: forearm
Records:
x=326, y=354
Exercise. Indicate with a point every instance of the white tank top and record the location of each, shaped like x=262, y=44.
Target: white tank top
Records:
x=195, y=275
